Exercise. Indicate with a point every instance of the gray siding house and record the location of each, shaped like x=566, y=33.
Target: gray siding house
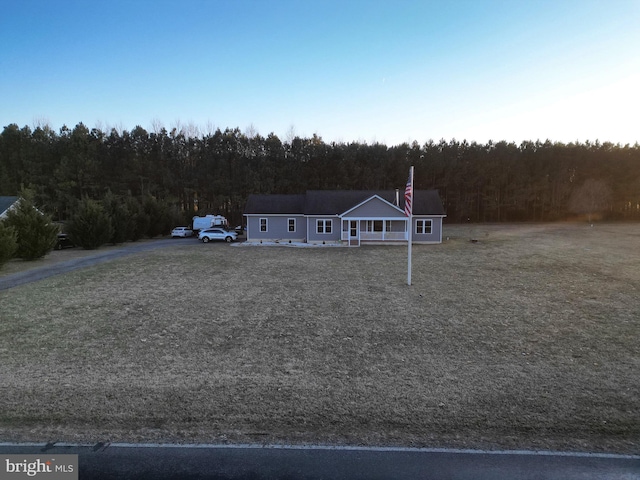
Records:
x=350, y=217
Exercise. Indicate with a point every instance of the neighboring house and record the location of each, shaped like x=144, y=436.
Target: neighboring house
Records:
x=6, y=203
x=351, y=217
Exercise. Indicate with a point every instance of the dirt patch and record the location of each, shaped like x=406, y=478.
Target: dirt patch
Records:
x=525, y=339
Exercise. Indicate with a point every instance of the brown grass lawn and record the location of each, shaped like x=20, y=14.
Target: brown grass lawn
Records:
x=526, y=339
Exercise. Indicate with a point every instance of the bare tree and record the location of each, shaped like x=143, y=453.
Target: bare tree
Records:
x=290, y=134
x=191, y=130
x=156, y=125
x=177, y=128
x=251, y=131
x=210, y=128
x=42, y=123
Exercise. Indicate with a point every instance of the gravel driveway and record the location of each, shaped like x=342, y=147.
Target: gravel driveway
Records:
x=58, y=262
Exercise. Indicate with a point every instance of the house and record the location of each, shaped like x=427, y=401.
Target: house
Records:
x=350, y=217
x=6, y=203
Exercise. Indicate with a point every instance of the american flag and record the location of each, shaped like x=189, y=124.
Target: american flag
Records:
x=408, y=196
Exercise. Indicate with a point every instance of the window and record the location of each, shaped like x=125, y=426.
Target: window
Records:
x=423, y=226
x=263, y=224
x=291, y=225
x=377, y=225
x=323, y=226
x=373, y=226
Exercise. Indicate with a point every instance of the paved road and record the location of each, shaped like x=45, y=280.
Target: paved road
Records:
x=33, y=275
x=160, y=462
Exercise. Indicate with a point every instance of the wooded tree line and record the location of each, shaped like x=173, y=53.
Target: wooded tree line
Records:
x=214, y=173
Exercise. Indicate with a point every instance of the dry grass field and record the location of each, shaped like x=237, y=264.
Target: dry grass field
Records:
x=527, y=338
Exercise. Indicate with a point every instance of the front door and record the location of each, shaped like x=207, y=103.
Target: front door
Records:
x=354, y=234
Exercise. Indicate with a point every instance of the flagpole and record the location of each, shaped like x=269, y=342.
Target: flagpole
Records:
x=410, y=227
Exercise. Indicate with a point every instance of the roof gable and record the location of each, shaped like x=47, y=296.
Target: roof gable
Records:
x=374, y=207
x=6, y=203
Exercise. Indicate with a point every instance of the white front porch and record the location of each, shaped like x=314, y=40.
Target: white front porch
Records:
x=382, y=236
x=370, y=230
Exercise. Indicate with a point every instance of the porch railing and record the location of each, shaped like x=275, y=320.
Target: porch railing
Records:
x=377, y=236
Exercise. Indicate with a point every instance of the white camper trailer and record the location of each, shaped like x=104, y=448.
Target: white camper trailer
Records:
x=209, y=221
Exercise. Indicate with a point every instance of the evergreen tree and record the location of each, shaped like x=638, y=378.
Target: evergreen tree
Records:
x=159, y=217
x=36, y=233
x=8, y=243
x=215, y=172
x=119, y=215
x=90, y=227
x=138, y=220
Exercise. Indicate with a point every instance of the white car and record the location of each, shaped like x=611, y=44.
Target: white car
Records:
x=181, y=232
x=217, y=233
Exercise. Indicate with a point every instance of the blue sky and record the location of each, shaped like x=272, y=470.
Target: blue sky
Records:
x=370, y=71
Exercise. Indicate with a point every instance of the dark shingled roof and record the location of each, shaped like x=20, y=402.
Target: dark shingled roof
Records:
x=425, y=202
x=335, y=202
x=6, y=202
x=265, y=204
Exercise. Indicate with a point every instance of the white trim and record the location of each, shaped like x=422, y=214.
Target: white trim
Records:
x=349, y=238
x=325, y=222
x=295, y=225
x=424, y=220
x=385, y=235
x=384, y=219
x=274, y=214
x=337, y=215
x=266, y=225
x=371, y=222
x=368, y=200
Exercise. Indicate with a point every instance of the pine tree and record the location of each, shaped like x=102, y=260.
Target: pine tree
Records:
x=36, y=233
x=90, y=227
x=8, y=243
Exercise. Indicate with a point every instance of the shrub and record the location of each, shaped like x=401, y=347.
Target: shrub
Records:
x=120, y=218
x=138, y=222
x=35, y=232
x=8, y=243
x=158, y=213
x=90, y=227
